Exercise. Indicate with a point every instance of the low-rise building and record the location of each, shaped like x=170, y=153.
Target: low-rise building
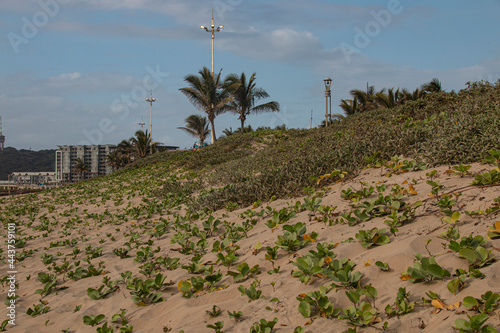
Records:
x=33, y=178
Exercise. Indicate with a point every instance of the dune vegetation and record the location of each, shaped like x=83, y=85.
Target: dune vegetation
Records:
x=386, y=220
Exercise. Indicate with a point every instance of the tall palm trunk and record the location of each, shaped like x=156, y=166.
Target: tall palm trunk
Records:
x=242, y=123
x=212, y=132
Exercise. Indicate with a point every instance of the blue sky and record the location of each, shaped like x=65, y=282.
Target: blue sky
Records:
x=76, y=71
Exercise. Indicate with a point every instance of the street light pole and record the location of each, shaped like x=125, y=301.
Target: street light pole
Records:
x=151, y=100
x=328, y=97
x=213, y=30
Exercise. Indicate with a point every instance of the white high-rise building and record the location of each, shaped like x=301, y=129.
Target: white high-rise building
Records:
x=95, y=158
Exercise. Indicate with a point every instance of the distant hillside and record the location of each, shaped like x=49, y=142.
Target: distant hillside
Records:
x=13, y=160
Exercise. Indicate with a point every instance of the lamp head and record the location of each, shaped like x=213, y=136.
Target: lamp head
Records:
x=328, y=83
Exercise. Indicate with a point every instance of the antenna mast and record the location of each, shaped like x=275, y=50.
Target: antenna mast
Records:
x=2, y=137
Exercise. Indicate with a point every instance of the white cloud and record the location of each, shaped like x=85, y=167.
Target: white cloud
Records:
x=69, y=76
x=279, y=45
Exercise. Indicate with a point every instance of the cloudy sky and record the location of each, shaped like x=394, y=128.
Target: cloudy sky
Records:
x=77, y=71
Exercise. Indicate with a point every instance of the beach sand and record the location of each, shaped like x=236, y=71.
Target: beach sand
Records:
x=93, y=222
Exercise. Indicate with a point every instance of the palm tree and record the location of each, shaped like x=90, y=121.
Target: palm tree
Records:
x=389, y=100
x=207, y=94
x=411, y=96
x=121, y=156
x=81, y=167
x=366, y=99
x=142, y=143
x=350, y=106
x=432, y=86
x=196, y=126
x=245, y=94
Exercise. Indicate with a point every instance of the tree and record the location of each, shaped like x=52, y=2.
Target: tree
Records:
x=207, y=94
x=142, y=143
x=411, y=96
x=80, y=167
x=389, y=100
x=245, y=94
x=121, y=156
x=432, y=86
x=366, y=99
x=196, y=126
x=350, y=106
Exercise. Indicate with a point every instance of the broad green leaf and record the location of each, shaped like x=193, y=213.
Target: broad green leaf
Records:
x=437, y=271
x=469, y=302
x=305, y=309
x=468, y=254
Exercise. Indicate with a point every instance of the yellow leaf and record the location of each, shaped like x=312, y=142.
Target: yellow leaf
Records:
x=367, y=263
x=302, y=295
x=449, y=171
x=405, y=277
x=309, y=238
x=457, y=304
x=328, y=260
x=437, y=304
x=411, y=190
x=431, y=195
x=448, y=306
x=309, y=322
x=495, y=228
x=405, y=182
x=179, y=285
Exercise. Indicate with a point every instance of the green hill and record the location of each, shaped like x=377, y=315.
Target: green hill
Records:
x=441, y=128
x=13, y=160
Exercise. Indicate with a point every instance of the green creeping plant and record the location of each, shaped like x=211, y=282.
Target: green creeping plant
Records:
x=317, y=302
x=263, y=326
x=244, y=272
x=425, y=269
x=475, y=324
x=372, y=237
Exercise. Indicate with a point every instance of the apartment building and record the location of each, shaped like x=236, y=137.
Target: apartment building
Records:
x=94, y=157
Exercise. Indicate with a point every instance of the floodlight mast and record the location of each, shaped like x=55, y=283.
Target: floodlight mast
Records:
x=151, y=100
x=141, y=123
x=212, y=30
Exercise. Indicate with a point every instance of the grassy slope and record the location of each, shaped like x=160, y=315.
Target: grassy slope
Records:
x=444, y=128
